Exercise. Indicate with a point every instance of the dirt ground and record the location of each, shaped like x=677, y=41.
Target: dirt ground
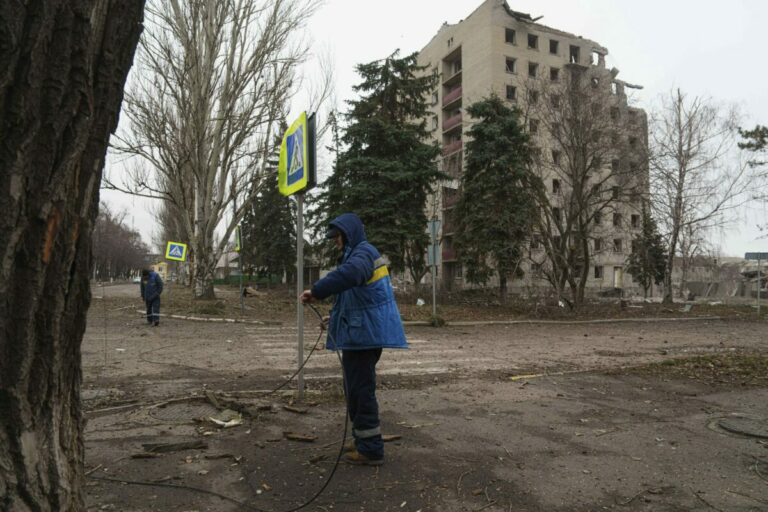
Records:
x=637, y=414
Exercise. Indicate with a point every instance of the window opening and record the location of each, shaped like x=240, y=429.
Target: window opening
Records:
x=574, y=54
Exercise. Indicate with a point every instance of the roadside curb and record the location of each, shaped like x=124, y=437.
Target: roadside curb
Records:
x=424, y=323
x=562, y=322
x=220, y=320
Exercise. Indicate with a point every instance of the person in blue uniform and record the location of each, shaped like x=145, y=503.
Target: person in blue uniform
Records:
x=363, y=321
x=151, y=287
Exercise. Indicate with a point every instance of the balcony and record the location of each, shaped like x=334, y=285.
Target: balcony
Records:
x=449, y=228
x=452, y=80
x=452, y=122
x=450, y=197
x=453, y=147
x=452, y=96
x=453, y=166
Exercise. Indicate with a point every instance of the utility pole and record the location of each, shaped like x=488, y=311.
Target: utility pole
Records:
x=759, y=256
x=432, y=257
x=238, y=244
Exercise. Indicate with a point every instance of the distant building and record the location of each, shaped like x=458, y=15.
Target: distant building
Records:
x=496, y=49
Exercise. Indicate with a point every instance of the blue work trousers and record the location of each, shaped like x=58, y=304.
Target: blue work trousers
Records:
x=360, y=382
x=153, y=311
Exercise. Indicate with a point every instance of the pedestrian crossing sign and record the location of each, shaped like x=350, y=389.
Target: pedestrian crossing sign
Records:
x=296, y=167
x=176, y=251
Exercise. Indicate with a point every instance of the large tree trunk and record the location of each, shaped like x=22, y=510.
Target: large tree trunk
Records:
x=503, y=291
x=669, y=267
x=62, y=69
x=205, y=270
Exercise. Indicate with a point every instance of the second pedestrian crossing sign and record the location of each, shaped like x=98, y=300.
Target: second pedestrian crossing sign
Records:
x=176, y=251
x=296, y=168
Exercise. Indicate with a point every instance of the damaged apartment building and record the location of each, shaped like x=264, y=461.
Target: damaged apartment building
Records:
x=498, y=50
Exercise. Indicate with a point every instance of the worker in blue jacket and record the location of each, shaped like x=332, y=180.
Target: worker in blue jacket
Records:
x=151, y=288
x=363, y=321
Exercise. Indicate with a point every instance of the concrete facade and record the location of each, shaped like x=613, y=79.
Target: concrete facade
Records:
x=498, y=50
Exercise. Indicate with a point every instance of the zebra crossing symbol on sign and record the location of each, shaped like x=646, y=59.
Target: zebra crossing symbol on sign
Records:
x=296, y=152
x=176, y=251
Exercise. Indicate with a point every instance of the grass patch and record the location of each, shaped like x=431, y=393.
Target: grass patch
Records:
x=733, y=369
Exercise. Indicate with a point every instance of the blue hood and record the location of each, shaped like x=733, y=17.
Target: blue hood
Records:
x=352, y=227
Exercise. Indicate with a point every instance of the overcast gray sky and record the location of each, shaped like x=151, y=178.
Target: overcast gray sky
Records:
x=708, y=47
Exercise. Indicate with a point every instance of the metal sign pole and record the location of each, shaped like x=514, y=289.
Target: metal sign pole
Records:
x=300, y=286
x=759, y=283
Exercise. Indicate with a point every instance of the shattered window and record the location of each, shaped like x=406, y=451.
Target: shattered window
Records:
x=574, y=54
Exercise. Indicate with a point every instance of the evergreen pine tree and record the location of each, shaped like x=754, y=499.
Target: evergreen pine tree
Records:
x=496, y=208
x=386, y=169
x=268, y=232
x=647, y=260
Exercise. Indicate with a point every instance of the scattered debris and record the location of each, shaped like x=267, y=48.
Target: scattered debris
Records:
x=297, y=410
x=212, y=398
x=227, y=419
x=214, y=456
x=418, y=425
x=174, y=447
x=305, y=438
x=391, y=437
x=145, y=455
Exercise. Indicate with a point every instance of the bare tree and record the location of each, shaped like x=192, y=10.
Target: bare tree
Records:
x=590, y=154
x=696, y=177
x=118, y=251
x=694, y=242
x=214, y=79
x=755, y=144
x=62, y=69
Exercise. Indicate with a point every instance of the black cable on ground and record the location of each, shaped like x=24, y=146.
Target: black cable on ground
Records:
x=246, y=505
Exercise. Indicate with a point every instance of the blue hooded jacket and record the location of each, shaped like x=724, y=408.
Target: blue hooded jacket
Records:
x=365, y=315
x=152, y=287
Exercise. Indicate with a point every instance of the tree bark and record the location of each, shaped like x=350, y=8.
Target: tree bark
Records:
x=62, y=69
x=503, y=292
